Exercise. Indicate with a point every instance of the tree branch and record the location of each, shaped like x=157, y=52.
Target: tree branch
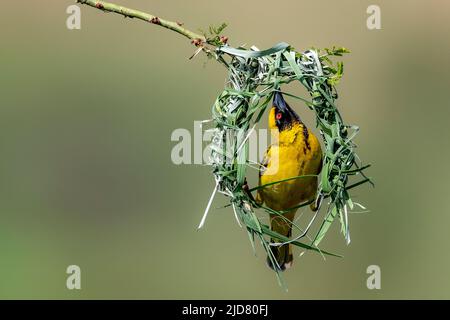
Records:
x=197, y=39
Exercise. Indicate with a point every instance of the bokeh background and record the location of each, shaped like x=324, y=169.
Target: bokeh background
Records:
x=86, y=176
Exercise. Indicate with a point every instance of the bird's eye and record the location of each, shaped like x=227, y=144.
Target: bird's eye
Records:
x=278, y=116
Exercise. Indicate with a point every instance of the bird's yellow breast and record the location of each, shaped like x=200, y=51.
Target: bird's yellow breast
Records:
x=296, y=152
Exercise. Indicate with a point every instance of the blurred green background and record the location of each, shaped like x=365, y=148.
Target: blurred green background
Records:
x=86, y=176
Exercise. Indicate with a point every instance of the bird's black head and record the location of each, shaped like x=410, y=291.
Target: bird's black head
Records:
x=281, y=115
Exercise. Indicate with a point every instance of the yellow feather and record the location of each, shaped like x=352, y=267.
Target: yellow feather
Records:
x=288, y=157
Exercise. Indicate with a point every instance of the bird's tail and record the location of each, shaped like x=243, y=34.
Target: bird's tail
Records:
x=281, y=254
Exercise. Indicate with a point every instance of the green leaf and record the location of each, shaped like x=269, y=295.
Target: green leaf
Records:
x=324, y=182
x=283, y=180
x=254, y=54
x=325, y=226
x=251, y=236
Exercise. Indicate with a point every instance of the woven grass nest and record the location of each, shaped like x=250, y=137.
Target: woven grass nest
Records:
x=253, y=77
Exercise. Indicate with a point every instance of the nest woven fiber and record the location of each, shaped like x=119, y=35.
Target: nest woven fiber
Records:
x=253, y=77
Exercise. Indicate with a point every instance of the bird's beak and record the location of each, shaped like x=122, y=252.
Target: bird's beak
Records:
x=280, y=103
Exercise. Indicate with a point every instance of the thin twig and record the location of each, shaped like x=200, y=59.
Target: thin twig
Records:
x=197, y=39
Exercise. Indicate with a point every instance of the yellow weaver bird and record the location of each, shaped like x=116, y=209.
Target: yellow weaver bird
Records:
x=295, y=152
